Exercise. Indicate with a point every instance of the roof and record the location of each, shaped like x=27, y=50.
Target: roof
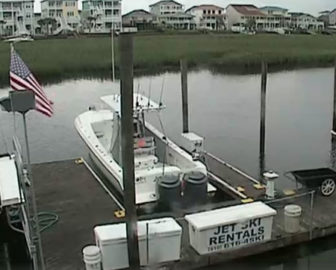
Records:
x=165, y=2
x=274, y=8
x=204, y=7
x=249, y=10
x=299, y=14
x=137, y=10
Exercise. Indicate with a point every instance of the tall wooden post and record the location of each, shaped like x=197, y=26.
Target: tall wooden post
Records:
x=184, y=87
x=334, y=114
x=127, y=141
x=264, y=70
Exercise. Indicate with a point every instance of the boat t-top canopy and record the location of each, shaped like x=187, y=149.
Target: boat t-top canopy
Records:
x=140, y=103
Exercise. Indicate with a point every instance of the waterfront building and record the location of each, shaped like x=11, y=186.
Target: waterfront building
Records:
x=332, y=17
x=277, y=18
x=139, y=18
x=64, y=12
x=269, y=19
x=324, y=17
x=242, y=17
x=16, y=17
x=210, y=17
x=170, y=14
x=304, y=21
x=101, y=16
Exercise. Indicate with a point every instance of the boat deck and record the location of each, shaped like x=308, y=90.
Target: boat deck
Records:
x=72, y=192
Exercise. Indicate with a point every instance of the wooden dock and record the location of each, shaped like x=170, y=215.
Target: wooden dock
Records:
x=71, y=191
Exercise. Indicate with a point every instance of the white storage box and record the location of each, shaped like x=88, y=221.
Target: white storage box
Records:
x=164, y=243
x=10, y=192
x=192, y=142
x=230, y=228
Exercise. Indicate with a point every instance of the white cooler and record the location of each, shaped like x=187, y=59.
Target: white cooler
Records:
x=164, y=243
x=230, y=228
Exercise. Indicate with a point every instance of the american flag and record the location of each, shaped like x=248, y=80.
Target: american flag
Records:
x=22, y=79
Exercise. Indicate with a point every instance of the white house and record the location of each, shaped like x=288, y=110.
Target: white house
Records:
x=166, y=7
x=65, y=12
x=16, y=17
x=277, y=18
x=209, y=17
x=240, y=17
x=332, y=17
x=305, y=21
x=139, y=18
x=101, y=16
x=170, y=14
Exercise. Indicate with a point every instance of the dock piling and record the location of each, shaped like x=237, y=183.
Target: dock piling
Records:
x=126, y=89
x=184, y=87
x=264, y=70
x=334, y=114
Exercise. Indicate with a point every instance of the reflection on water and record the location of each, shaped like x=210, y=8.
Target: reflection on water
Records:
x=225, y=109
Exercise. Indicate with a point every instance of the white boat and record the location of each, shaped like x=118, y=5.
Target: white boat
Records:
x=16, y=39
x=155, y=155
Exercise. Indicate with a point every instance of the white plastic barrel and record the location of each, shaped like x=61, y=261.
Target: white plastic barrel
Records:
x=292, y=218
x=92, y=258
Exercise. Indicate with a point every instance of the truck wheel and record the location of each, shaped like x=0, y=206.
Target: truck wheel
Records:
x=328, y=187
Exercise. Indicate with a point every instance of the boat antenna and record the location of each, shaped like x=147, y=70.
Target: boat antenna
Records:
x=162, y=89
x=137, y=96
x=164, y=139
x=150, y=91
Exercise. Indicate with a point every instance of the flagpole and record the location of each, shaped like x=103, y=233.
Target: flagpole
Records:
x=112, y=40
x=14, y=116
x=37, y=241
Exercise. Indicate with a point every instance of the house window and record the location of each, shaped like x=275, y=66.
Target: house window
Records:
x=219, y=12
x=204, y=11
x=70, y=14
x=213, y=12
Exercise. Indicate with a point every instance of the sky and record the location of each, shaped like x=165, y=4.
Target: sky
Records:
x=307, y=6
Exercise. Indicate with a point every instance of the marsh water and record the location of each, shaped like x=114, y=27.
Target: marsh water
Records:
x=225, y=110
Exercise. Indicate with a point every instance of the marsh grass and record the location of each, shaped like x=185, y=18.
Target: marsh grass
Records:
x=57, y=59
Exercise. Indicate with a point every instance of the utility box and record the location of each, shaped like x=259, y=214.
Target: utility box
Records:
x=230, y=228
x=192, y=143
x=163, y=242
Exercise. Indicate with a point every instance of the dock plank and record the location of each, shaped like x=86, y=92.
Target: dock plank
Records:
x=70, y=191
x=232, y=177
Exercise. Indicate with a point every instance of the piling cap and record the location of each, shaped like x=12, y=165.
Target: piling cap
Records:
x=169, y=181
x=195, y=177
x=270, y=175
